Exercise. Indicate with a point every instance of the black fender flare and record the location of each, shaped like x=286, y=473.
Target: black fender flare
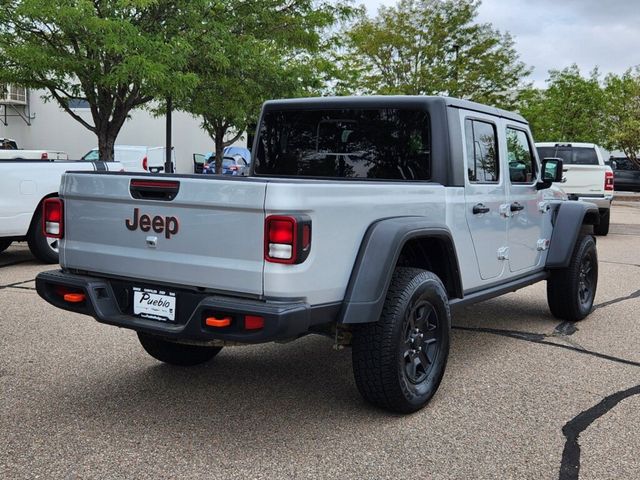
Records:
x=569, y=218
x=377, y=258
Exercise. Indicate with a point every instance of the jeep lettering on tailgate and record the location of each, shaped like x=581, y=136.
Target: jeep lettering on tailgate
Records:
x=168, y=225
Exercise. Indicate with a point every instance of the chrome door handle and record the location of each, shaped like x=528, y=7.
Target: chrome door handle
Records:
x=480, y=208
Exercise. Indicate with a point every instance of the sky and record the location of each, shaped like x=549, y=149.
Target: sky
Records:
x=553, y=34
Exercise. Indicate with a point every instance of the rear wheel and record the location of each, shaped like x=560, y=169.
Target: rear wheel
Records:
x=399, y=361
x=572, y=290
x=603, y=227
x=4, y=244
x=43, y=248
x=176, y=353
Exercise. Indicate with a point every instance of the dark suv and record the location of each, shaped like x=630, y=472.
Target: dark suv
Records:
x=627, y=174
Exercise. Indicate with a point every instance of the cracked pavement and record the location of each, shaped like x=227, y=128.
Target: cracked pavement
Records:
x=524, y=395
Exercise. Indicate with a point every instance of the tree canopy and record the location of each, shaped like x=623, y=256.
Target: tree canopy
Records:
x=622, y=113
x=569, y=109
x=429, y=47
x=577, y=108
x=249, y=52
x=116, y=55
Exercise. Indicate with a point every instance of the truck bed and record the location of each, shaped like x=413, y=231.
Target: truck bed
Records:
x=217, y=230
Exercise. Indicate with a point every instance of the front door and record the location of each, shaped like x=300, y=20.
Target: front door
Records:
x=526, y=212
x=485, y=194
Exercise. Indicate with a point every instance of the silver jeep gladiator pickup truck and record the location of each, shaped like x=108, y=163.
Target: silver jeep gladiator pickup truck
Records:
x=365, y=219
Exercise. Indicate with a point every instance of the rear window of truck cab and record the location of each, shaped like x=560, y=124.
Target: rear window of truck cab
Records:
x=570, y=155
x=368, y=143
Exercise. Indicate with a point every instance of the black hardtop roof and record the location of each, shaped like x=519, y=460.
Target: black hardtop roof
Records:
x=381, y=101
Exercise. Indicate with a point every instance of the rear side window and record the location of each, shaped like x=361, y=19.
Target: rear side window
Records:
x=522, y=164
x=386, y=144
x=570, y=155
x=482, y=152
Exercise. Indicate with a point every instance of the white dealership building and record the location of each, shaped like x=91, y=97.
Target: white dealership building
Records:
x=36, y=124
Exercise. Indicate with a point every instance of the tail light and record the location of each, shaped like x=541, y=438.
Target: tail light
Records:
x=53, y=218
x=233, y=168
x=608, y=181
x=145, y=163
x=287, y=239
x=44, y=156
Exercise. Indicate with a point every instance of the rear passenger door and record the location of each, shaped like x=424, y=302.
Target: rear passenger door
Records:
x=485, y=194
x=525, y=211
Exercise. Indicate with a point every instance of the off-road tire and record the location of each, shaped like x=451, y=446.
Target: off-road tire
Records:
x=176, y=353
x=38, y=243
x=381, y=350
x=572, y=290
x=603, y=227
x=4, y=244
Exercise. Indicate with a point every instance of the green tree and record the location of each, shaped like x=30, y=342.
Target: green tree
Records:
x=622, y=113
x=249, y=52
x=117, y=55
x=570, y=109
x=426, y=47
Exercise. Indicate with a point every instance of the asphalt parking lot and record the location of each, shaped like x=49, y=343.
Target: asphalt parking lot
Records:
x=524, y=395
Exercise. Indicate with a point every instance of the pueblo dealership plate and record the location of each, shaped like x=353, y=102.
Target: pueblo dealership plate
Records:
x=154, y=304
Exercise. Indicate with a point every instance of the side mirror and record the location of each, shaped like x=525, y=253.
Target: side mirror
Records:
x=551, y=172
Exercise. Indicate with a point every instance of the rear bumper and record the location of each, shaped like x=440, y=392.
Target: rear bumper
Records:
x=603, y=202
x=109, y=301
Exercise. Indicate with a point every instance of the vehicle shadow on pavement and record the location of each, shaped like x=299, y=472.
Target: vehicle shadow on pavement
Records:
x=509, y=312
x=242, y=393
x=16, y=255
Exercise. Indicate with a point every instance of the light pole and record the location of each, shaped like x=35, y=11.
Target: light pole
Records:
x=456, y=50
x=168, y=164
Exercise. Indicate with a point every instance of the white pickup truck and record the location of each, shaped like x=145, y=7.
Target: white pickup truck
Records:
x=10, y=151
x=23, y=187
x=588, y=178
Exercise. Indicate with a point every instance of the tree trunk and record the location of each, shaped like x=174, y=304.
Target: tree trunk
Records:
x=220, y=132
x=106, y=142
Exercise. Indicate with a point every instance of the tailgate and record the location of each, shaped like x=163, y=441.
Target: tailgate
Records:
x=584, y=179
x=210, y=235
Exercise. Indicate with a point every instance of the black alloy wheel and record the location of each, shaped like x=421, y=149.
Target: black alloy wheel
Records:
x=422, y=341
x=399, y=360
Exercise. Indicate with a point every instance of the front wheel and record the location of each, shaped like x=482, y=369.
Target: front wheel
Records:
x=176, y=353
x=572, y=290
x=399, y=361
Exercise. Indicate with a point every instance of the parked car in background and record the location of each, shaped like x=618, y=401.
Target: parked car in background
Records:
x=136, y=158
x=8, y=144
x=232, y=151
x=200, y=160
x=626, y=174
x=23, y=190
x=233, y=165
x=587, y=176
x=9, y=151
